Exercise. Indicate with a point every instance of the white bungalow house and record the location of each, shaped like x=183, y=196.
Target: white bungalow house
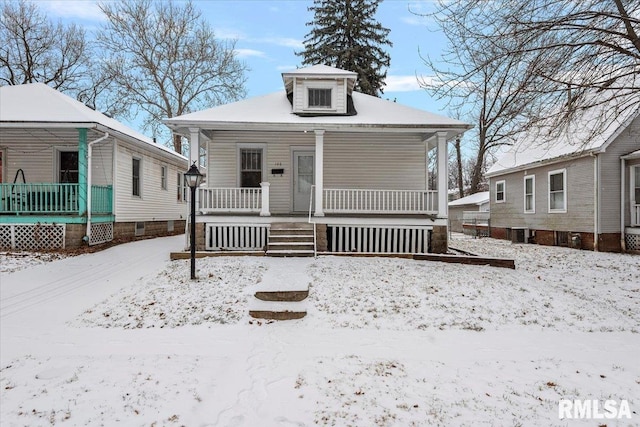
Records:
x=70, y=175
x=581, y=190
x=353, y=166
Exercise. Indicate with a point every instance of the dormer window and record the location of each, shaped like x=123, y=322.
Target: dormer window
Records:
x=319, y=98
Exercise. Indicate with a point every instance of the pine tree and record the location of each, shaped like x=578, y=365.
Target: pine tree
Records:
x=345, y=35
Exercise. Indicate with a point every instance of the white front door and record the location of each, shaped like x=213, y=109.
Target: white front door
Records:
x=303, y=179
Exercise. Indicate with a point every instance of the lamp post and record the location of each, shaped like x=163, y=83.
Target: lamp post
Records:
x=193, y=178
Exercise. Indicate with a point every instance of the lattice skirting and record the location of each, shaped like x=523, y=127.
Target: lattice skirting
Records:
x=29, y=237
x=632, y=241
x=101, y=232
x=347, y=238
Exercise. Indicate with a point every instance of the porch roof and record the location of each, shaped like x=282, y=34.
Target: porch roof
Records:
x=37, y=105
x=273, y=112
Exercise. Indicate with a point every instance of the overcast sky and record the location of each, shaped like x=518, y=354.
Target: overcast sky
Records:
x=269, y=32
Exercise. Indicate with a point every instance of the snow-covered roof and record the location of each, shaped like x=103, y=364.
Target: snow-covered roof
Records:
x=38, y=105
x=472, y=199
x=273, y=111
x=633, y=155
x=579, y=138
x=321, y=70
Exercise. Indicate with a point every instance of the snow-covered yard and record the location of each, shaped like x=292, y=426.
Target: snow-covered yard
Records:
x=387, y=342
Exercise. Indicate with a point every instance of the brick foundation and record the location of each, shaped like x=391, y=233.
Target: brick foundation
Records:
x=607, y=242
x=322, y=243
x=73, y=235
x=498, y=233
x=439, y=239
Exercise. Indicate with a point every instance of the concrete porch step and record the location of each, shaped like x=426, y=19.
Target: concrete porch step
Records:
x=289, y=253
x=280, y=238
x=284, y=296
x=292, y=246
x=277, y=310
x=291, y=226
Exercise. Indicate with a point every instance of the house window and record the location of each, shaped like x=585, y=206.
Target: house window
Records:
x=181, y=187
x=636, y=187
x=68, y=170
x=163, y=177
x=319, y=98
x=557, y=191
x=250, y=167
x=135, y=174
x=500, y=192
x=1, y=170
x=529, y=194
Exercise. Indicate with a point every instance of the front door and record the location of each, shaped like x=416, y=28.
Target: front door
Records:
x=303, y=179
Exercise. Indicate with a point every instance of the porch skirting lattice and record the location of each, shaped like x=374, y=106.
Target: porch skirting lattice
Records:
x=28, y=237
x=101, y=233
x=632, y=241
x=378, y=239
x=236, y=237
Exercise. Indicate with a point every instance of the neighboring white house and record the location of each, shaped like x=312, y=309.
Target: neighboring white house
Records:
x=70, y=174
x=358, y=161
x=472, y=211
x=580, y=190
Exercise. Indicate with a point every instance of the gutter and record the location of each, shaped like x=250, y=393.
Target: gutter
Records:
x=596, y=198
x=89, y=152
x=622, y=207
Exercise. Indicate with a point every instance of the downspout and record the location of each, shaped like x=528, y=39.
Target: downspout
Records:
x=622, y=206
x=89, y=150
x=596, y=216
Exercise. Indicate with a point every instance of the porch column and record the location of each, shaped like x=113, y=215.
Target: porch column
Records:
x=443, y=176
x=264, y=210
x=82, y=172
x=194, y=146
x=319, y=169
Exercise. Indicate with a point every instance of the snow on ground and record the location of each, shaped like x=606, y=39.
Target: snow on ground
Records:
x=15, y=261
x=387, y=342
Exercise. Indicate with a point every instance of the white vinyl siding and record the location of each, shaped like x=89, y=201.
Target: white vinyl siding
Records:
x=500, y=192
x=530, y=194
x=351, y=160
x=557, y=194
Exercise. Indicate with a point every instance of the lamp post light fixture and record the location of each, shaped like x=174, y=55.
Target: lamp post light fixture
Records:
x=193, y=178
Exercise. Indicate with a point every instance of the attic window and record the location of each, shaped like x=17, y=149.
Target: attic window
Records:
x=319, y=98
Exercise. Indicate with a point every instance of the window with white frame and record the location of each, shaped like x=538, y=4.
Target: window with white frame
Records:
x=135, y=177
x=181, y=187
x=500, y=191
x=636, y=186
x=319, y=98
x=557, y=191
x=635, y=193
x=530, y=194
x=251, y=164
x=163, y=177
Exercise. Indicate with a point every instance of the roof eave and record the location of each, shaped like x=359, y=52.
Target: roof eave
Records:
x=545, y=162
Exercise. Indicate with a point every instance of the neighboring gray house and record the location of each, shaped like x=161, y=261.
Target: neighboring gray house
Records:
x=579, y=190
x=472, y=209
x=352, y=165
x=70, y=175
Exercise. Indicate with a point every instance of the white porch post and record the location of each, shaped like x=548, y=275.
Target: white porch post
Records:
x=443, y=176
x=319, y=169
x=264, y=210
x=194, y=146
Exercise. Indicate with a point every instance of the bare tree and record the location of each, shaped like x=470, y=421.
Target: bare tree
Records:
x=589, y=51
x=493, y=91
x=162, y=58
x=34, y=49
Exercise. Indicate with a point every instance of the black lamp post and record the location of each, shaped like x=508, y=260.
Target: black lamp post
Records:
x=193, y=178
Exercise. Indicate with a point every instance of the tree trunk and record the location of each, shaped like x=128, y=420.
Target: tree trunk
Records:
x=177, y=143
x=459, y=161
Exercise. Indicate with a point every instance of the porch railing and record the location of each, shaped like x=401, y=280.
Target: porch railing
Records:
x=229, y=199
x=358, y=201
x=51, y=198
x=476, y=217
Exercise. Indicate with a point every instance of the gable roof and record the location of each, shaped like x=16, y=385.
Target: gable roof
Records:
x=274, y=112
x=577, y=140
x=38, y=105
x=472, y=199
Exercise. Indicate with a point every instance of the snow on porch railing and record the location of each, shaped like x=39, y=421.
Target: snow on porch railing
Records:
x=229, y=200
x=380, y=201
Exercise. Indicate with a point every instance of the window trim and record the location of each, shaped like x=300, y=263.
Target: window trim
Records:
x=564, y=190
x=3, y=165
x=164, y=172
x=181, y=188
x=250, y=146
x=532, y=178
x=139, y=195
x=56, y=167
x=307, y=85
x=504, y=191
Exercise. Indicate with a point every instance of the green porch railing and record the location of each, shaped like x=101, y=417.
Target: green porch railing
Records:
x=51, y=198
